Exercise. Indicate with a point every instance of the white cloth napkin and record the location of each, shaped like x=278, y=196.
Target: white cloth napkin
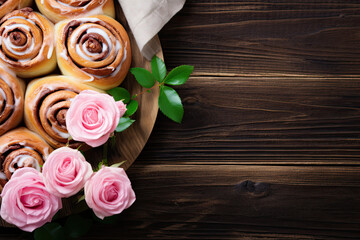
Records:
x=146, y=18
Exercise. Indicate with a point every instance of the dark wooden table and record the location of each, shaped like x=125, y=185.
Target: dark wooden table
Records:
x=270, y=143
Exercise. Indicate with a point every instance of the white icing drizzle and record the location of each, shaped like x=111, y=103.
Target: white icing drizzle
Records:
x=65, y=4
x=24, y=60
x=52, y=87
x=21, y=159
x=113, y=73
x=104, y=47
x=17, y=101
x=5, y=99
x=61, y=134
x=122, y=61
x=118, y=46
x=81, y=54
x=102, y=33
x=11, y=47
x=2, y=176
x=29, y=20
x=90, y=79
x=17, y=25
x=67, y=8
x=64, y=55
x=51, y=49
x=61, y=6
x=46, y=152
x=89, y=20
x=40, y=54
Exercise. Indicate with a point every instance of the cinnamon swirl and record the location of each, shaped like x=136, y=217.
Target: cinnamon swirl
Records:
x=46, y=103
x=95, y=50
x=27, y=43
x=11, y=100
x=21, y=148
x=58, y=10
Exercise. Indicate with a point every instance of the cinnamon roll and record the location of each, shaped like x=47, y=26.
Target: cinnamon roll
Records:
x=21, y=148
x=11, y=100
x=46, y=103
x=95, y=50
x=7, y=6
x=27, y=43
x=58, y=10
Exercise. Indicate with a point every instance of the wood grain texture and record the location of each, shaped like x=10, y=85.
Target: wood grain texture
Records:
x=269, y=144
x=258, y=37
x=247, y=202
x=262, y=120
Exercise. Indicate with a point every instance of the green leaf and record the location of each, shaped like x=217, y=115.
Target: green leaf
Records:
x=144, y=77
x=113, y=141
x=131, y=107
x=124, y=123
x=81, y=199
x=170, y=104
x=52, y=231
x=56, y=216
x=99, y=165
x=120, y=93
x=116, y=165
x=77, y=226
x=179, y=75
x=158, y=68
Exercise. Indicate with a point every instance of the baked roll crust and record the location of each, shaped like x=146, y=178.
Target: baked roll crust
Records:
x=11, y=100
x=46, y=103
x=27, y=43
x=21, y=148
x=58, y=10
x=95, y=50
x=7, y=6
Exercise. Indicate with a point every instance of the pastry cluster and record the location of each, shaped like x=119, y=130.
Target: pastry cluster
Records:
x=89, y=47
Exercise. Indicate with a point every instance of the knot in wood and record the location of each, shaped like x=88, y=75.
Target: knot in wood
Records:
x=253, y=189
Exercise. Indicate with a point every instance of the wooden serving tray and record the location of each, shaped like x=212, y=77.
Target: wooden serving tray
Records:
x=129, y=143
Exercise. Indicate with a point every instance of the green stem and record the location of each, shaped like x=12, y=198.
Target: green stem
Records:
x=113, y=141
x=141, y=93
x=68, y=141
x=105, y=154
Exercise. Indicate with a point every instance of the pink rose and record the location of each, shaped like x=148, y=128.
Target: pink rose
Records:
x=26, y=202
x=65, y=172
x=93, y=116
x=109, y=192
